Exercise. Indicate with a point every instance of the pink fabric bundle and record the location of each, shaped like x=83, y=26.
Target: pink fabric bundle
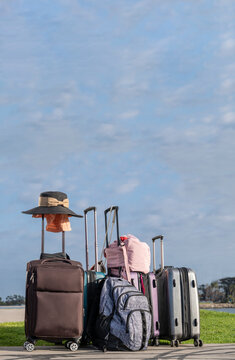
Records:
x=132, y=255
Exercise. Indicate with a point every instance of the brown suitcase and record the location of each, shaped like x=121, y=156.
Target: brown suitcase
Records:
x=54, y=301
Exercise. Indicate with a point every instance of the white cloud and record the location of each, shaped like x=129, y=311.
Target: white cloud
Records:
x=229, y=117
x=107, y=129
x=128, y=187
x=128, y=114
x=180, y=95
x=130, y=87
x=153, y=220
x=228, y=84
x=228, y=44
x=208, y=119
x=227, y=218
x=82, y=204
x=131, y=13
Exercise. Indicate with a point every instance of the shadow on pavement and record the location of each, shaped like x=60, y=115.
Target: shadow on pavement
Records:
x=222, y=351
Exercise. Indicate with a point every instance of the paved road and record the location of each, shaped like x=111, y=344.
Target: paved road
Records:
x=184, y=352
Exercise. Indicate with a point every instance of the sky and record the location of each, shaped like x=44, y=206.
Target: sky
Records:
x=127, y=103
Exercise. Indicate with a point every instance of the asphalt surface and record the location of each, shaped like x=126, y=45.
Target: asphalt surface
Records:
x=183, y=352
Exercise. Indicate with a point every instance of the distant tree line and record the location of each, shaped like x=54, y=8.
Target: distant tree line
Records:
x=222, y=291
x=13, y=300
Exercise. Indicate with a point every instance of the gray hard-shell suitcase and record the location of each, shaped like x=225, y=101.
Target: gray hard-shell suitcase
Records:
x=54, y=300
x=178, y=302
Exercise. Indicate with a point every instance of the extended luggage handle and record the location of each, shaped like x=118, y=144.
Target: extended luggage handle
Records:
x=43, y=237
x=119, y=242
x=111, y=209
x=92, y=208
x=162, y=252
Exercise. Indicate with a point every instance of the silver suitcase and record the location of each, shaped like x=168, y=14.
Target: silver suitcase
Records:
x=178, y=303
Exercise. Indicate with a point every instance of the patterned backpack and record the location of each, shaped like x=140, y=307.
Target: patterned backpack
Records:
x=124, y=320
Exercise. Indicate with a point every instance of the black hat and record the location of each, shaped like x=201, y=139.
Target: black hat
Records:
x=52, y=202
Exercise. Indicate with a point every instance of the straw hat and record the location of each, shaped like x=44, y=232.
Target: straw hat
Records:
x=52, y=202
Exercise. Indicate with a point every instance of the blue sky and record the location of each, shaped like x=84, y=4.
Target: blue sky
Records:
x=127, y=103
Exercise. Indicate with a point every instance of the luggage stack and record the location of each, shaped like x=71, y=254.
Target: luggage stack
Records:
x=138, y=275
x=172, y=293
x=128, y=308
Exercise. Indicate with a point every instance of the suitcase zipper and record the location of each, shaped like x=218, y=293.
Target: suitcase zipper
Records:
x=127, y=292
x=144, y=329
x=32, y=278
x=119, y=286
x=186, y=318
x=32, y=304
x=130, y=313
x=125, y=305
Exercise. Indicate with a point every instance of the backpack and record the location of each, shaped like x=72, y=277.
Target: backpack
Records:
x=124, y=320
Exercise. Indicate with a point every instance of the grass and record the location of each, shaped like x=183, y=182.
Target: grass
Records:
x=216, y=328
x=12, y=334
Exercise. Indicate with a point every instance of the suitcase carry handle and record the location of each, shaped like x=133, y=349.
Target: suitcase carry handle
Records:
x=56, y=259
x=92, y=208
x=110, y=209
x=119, y=242
x=43, y=237
x=162, y=253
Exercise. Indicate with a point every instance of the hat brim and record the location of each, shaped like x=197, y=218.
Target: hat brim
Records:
x=41, y=210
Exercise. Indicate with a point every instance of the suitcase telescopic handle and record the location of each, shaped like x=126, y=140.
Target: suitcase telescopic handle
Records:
x=92, y=208
x=43, y=237
x=162, y=253
x=111, y=209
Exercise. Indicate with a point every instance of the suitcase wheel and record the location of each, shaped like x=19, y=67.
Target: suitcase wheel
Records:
x=200, y=342
x=28, y=346
x=66, y=344
x=196, y=342
x=155, y=342
x=104, y=349
x=73, y=346
x=175, y=343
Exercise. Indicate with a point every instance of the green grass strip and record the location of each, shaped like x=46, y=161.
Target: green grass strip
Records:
x=216, y=328
x=12, y=334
